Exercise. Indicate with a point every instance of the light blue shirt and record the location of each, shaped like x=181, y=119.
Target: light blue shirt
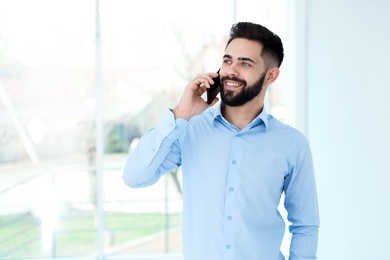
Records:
x=232, y=184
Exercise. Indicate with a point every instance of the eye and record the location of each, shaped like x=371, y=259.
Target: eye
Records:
x=245, y=64
x=227, y=61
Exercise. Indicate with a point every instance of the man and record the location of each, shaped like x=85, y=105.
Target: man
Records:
x=236, y=160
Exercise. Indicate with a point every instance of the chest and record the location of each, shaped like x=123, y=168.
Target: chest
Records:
x=250, y=159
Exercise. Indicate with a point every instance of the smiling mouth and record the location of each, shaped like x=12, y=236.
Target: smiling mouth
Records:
x=232, y=84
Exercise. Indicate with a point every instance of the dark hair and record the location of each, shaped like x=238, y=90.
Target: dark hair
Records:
x=272, y=45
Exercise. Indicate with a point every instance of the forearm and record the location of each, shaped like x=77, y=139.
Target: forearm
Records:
x=304, y=243
x=149, y=160
x=303, y=213
x=156, y=153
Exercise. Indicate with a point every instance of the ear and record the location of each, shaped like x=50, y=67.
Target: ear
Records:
x=272, y=75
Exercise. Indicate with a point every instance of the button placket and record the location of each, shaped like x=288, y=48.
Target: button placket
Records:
x=230, y=200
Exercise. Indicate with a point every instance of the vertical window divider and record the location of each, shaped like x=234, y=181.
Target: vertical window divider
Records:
x=99, y=137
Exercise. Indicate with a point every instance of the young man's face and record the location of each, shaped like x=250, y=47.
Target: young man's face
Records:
x=242, y=72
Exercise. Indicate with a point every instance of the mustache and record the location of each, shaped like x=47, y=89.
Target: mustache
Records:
x=234, y=79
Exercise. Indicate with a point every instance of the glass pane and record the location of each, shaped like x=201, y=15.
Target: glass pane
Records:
x=47, y=59
x=47, y=104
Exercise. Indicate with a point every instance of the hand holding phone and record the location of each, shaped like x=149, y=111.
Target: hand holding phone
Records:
x=214, y=89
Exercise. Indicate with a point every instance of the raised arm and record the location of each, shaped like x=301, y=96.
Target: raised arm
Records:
x=158, y=151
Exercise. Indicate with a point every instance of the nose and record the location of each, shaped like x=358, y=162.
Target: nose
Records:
x=232, y=70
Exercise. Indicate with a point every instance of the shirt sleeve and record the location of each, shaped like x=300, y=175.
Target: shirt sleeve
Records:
x=301, y=204
x=157, y=152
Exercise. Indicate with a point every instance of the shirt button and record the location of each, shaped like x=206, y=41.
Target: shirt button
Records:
x=234, y=162
x=229, y=217
x=228, y=246
x=231, y=189
x=170, y=125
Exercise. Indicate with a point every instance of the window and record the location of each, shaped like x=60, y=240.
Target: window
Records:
x=67, y=91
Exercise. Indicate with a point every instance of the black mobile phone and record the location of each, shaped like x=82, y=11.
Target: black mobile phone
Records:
x=214, y=89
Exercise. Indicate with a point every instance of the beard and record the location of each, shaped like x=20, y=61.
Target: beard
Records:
x=247, y=93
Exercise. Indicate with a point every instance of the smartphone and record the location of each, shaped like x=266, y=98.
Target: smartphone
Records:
x=214, y=89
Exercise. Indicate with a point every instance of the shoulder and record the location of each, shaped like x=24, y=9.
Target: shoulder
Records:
x=283, y=130
x=294, y=141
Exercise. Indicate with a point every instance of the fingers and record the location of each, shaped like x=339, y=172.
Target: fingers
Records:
x=191, y=102
x=202, y=81
x=205, y=80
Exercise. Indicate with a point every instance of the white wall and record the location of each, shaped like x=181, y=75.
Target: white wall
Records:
x=348, y=124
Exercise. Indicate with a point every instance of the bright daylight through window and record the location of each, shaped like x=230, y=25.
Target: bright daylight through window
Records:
x=52, y=65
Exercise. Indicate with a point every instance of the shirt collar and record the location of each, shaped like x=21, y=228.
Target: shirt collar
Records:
x=261, y=118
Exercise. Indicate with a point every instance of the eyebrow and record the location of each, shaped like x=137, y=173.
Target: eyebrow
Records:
x=239, y=58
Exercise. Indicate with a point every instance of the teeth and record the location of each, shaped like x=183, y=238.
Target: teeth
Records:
x=232, y=84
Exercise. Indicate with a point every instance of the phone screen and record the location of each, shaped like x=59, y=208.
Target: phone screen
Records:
x=214, y=89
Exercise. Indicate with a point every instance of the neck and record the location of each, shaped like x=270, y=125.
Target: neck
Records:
x=243, y=115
